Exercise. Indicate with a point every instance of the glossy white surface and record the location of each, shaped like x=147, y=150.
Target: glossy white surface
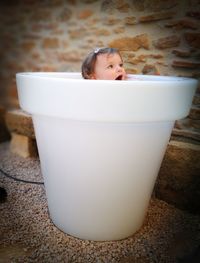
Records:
x=101, y=144
x=141, y=98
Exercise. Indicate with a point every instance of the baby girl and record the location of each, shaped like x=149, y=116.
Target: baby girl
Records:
x=103, y=63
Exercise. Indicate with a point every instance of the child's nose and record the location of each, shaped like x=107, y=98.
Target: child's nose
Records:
x=119, y=68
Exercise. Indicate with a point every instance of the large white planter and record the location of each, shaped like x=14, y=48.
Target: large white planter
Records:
x=101, y=144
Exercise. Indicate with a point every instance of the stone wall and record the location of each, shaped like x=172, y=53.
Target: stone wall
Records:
x=178, y=182
x=155, y=37
x=159, y=37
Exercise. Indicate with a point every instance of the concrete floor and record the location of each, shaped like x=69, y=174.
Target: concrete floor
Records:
x=27, y=234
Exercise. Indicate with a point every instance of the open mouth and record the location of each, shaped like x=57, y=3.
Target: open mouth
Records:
x=119, y=77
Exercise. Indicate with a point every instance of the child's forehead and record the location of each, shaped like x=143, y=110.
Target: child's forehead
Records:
x=109, y=56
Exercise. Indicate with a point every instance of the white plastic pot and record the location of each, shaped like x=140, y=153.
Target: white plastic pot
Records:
x=101, y=144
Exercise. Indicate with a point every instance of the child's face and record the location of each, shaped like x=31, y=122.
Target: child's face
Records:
x=109, y=66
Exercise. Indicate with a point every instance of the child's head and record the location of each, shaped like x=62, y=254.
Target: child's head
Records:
x=103, y=63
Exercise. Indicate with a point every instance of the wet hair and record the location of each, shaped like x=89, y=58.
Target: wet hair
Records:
x=89, y=62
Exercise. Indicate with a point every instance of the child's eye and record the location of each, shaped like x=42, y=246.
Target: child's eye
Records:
x=110, y=66
x=121, y=65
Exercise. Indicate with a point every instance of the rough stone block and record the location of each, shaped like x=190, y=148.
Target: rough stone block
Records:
x=195, y=112
x=65, y=14
x=23, y=145
x=85, y=14
x=185, y=134
x=150, y=69
x=50, y=43
x=167, y=42
x=193, y=14
x=4, y=134
x=182, y=53
x=196, y=100
x=131, y=43
x=23, y=141
x=193, y=39
x=130, y=20
x=178, y=182
x=156, y=16
x=185, y=64
x=20, y=122
x=183, y=23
